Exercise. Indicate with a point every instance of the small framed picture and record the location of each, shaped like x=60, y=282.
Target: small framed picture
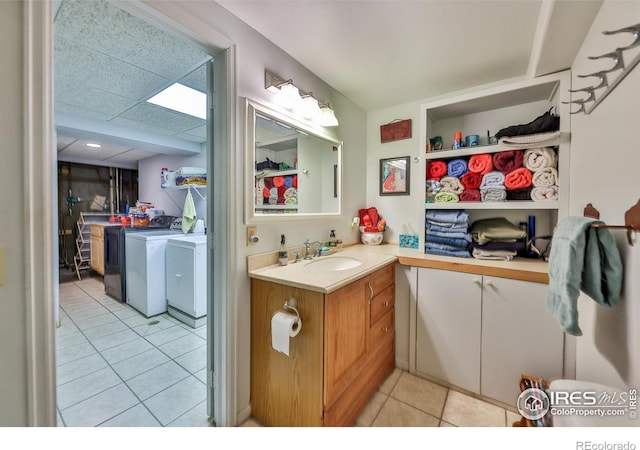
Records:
x=394, y=176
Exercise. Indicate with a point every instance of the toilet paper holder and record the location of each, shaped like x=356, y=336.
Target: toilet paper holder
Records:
x=292, y=304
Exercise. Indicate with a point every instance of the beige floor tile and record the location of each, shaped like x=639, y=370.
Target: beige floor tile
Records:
x=466, y=411
x=369, y=413
x=387, y=385
x=419, y=393
x=251, y=422
x=395, y=413
x=512, y=417
x=445, y=424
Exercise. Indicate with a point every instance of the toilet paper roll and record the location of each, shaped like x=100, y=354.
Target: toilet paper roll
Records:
x=283, y=327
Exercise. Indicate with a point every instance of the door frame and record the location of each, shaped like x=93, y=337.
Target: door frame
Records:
x=41, y=228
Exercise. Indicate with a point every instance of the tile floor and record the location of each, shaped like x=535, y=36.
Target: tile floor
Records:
x=116, y=367
x=405, y=400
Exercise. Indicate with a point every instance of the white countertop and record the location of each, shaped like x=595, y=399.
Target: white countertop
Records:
x=374, y=257
x=326, y=281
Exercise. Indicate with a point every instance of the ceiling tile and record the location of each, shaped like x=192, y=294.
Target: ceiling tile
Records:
x=156, y=116
x=80, y=111
x=197, y=79
x=132, y=155
x=89, y=96
x=114, y=32
x=82, y=65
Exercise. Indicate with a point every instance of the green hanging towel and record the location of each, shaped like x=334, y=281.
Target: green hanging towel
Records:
x=188, y=213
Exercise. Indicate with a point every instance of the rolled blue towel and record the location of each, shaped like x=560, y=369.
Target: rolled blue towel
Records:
x=457, y=168
x=288, y=182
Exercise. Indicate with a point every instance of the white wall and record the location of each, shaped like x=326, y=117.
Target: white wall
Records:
x=13, y=370
x=604, y=171
x=171, y=201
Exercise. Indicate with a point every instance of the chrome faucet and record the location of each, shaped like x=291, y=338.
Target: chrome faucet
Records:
x=307, y=249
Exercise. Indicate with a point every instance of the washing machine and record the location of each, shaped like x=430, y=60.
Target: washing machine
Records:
x=145, y=270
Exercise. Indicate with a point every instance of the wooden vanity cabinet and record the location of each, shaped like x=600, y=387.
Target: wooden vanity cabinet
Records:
x=345, y=349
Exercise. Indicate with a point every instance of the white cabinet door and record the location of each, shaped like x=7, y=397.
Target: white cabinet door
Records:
x=448, y=327
x=519, y=336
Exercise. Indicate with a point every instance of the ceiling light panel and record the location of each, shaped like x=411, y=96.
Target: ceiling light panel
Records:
x=181, y=98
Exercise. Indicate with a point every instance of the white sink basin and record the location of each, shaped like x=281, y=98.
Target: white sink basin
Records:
x=334, y=263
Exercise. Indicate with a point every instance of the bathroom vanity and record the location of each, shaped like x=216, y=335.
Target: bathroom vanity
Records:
x=344, y=351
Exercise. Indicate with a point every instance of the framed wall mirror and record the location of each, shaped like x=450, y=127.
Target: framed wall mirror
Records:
x=293, y=168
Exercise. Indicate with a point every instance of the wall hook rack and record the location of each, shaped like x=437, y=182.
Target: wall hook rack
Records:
x=617, y=57
x=631, y=220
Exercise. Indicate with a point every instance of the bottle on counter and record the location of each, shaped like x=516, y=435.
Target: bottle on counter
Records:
x=332, y=238
x=283, y=257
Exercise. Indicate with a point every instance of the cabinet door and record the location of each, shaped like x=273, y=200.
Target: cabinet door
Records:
x=448, y=327
x=519, y=336
x=346, y=323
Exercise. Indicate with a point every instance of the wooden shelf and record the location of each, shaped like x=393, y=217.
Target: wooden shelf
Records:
x=507, y=204
x=275, y=173
x=470, y=151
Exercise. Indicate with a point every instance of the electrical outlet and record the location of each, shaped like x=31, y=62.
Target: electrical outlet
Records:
x=252, y=235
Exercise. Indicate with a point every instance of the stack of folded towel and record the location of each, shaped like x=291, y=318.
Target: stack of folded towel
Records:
x=278, y=190
x=496, y=239
x=543, y=163
x=447, y=233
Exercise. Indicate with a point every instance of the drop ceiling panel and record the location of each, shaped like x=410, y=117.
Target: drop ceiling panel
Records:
x=158, y=117
x=80, y=111
x=124, y=37
x=132, y=155
x=107, y=63
x=87, y=66
x=93, y=97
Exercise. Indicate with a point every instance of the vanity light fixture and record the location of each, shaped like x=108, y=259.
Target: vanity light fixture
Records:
x=292, y=98
x=310, y=108
x=327, y=116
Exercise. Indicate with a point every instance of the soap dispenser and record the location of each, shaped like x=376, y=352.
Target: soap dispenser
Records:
x=332, y=238
x=283, y=257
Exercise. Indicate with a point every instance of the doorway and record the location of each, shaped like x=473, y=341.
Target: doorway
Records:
x=112, y=355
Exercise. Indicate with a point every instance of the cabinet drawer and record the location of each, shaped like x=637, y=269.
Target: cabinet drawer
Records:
x=382, y=303
x=382, y=330
x=382, y=278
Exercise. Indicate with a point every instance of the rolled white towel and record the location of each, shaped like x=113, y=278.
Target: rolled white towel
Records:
x=540, y=158
x=539, y=194
x=451, y=184
x=182, y=171
x=545, y=177
x=290, y=192
x=260, y=183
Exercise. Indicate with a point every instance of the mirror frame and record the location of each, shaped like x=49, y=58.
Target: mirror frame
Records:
x=253, y=107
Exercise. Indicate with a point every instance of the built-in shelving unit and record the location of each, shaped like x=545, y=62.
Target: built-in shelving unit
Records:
x=487, y=112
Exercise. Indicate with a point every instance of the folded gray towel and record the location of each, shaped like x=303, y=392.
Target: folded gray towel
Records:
x=493, y=194
x=493, y=179
x=582, y=258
